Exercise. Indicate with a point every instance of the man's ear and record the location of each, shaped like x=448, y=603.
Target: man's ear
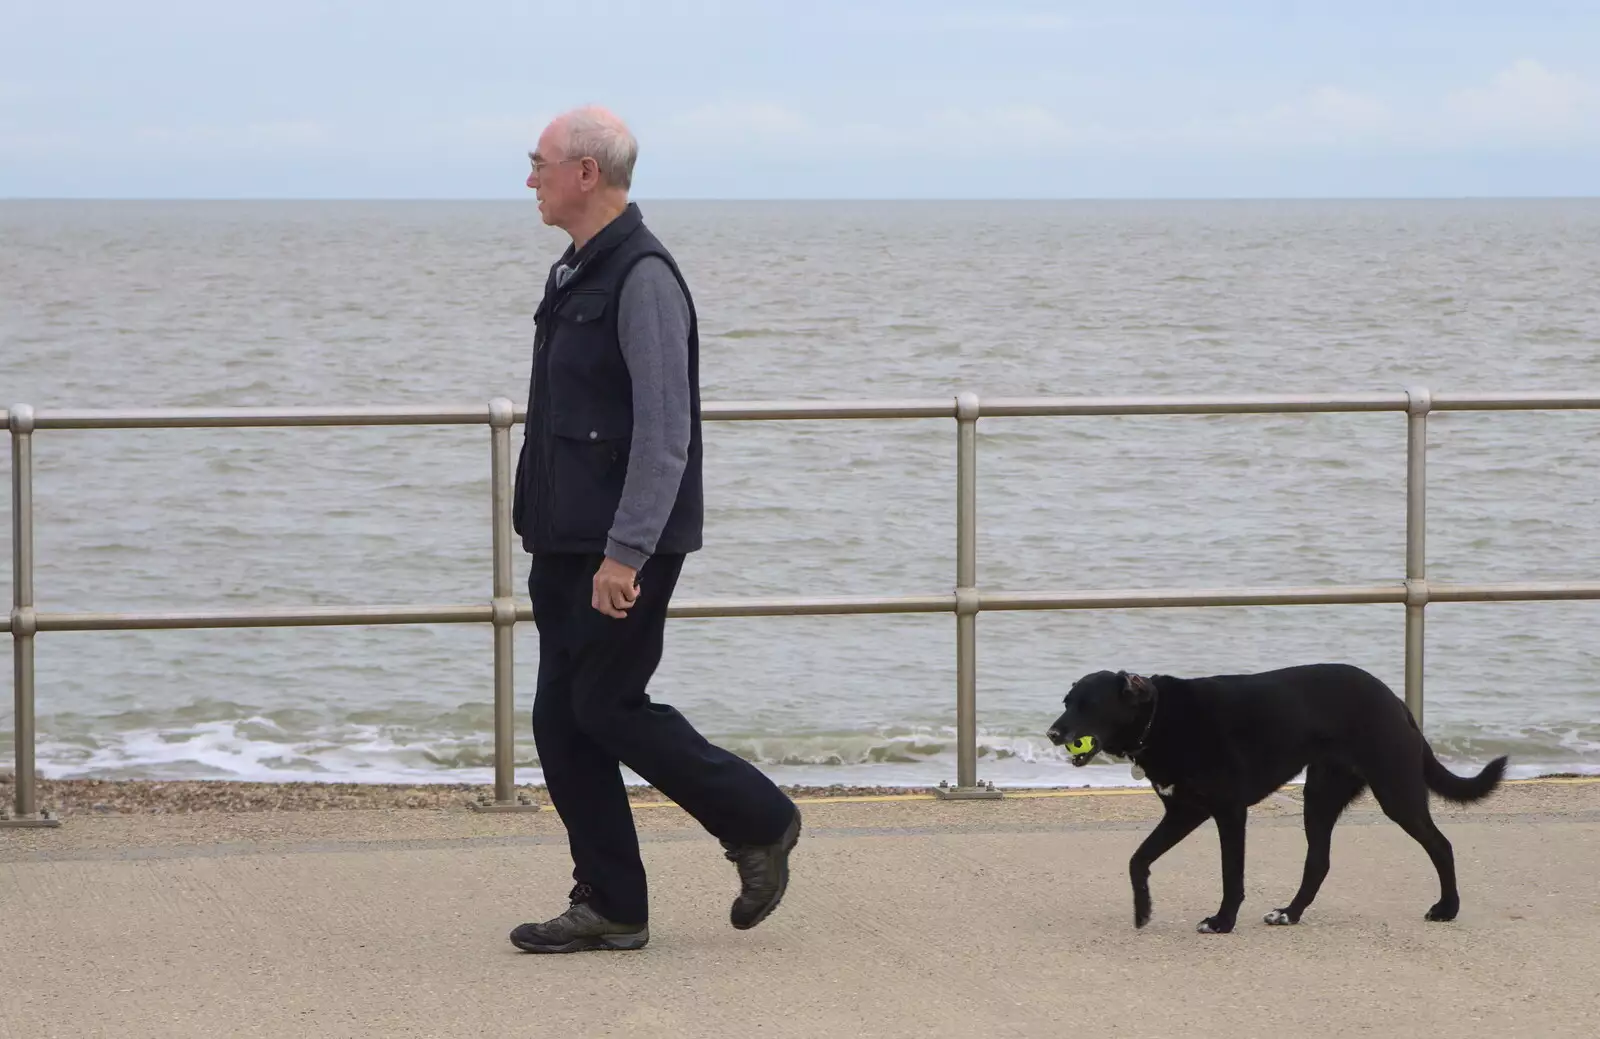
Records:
x=1136, y=688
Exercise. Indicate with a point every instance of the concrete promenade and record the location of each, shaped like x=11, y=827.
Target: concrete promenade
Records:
x=913, y=918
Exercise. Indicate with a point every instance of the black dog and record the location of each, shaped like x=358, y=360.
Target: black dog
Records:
x=1212, y=747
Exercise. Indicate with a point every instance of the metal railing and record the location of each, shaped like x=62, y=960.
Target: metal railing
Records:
x=966, y=600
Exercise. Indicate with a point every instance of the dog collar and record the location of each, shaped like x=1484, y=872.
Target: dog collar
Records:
x=1144, y=737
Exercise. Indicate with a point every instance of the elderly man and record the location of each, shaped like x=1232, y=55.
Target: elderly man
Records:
x=608, y=501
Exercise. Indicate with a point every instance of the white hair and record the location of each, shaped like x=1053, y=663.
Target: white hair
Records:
x=596, y=133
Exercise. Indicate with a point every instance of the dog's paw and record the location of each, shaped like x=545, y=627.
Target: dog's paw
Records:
x=1141, y=910
x=1215, y=925
x=1280, y=918
x=1440, y=913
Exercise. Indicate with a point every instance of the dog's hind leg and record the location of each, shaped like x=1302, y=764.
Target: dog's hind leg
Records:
x=1406, y=802
x=1329, y=789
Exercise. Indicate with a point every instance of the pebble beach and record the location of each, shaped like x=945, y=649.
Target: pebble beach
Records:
x=80, y=797
x=179, y=797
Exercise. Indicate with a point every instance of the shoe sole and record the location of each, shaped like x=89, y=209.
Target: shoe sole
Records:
x=783, y=881
x=602, y=943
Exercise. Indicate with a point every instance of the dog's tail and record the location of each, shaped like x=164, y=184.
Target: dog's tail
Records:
x=1461, y=789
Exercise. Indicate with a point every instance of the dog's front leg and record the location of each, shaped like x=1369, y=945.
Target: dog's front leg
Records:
x=1230, y=831
x=1178, y=823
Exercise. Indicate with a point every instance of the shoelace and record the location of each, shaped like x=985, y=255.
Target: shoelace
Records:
x=580, y=894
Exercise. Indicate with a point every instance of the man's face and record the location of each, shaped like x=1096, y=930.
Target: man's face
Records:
x=556, y=177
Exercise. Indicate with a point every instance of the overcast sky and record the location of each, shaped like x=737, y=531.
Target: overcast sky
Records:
x=818, y=99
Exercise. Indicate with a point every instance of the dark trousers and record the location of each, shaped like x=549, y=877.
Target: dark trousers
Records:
x=591, y=712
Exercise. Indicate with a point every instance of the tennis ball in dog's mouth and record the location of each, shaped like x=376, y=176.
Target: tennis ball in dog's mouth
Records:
x=1082, y=747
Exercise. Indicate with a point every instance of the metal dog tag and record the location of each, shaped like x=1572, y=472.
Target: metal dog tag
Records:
x=1138, y=773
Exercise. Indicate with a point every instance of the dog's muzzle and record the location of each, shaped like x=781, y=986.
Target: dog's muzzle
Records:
x=1083, y=749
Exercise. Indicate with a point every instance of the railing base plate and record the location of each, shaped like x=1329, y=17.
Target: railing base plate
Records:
x=521, y=804
x=981, y=792
x=43, y=821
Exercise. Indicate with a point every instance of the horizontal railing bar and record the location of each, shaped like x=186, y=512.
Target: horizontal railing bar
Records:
x=1140, y=598
x=286, y=618
x=1311, y=596
x=728, y=411
x=1537, y=400
x=1154, y=597
x=192, y=418
x=813, y=607
x=1014, y=407
x=1547, y=592
x=735, y=410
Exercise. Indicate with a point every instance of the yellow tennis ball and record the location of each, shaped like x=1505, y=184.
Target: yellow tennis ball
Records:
x=1081, y=745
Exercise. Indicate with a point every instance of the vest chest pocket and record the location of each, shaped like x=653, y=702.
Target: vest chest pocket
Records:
x=583, y=306
x=577, y=337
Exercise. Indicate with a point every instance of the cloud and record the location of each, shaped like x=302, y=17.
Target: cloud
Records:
x=17, y=145
x=1527, y=103
x=1006, y=129
x=285, y=133
x=512, y=130
x=271, y=135
x=1523, y=105
x=286, y=139
x=772, y=129
x=1525, y=110
x=1327, y=117
x=957, y=22
x=1332, y=110
x=744, y=121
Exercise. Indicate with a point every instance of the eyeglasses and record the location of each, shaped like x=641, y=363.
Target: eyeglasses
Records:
x=539, y=165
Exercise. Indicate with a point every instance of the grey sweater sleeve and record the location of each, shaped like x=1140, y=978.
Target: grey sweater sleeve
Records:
x=653, y=326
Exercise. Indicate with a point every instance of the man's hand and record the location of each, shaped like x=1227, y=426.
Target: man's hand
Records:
x=616, y=586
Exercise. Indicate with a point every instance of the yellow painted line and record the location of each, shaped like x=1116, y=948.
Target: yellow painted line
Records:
x=863, y=799
x=842, y=799
x=886, y=798
x=1095, y=791
x=1566, y=781
x=1103, y=791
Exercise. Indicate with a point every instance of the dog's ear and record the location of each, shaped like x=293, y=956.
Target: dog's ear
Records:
x=1136, y=688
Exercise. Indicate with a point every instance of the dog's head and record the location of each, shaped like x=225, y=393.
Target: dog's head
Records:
x=1109, y=707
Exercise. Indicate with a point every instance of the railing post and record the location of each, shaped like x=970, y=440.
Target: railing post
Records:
x=23, y=618
x=501, y=415
x=1419, y=403
x=967, y=786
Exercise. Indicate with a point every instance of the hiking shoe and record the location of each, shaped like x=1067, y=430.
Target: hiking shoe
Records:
x=579, y=929
x=763, y=876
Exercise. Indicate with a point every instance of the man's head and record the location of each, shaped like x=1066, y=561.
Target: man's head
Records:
x=582, y=169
